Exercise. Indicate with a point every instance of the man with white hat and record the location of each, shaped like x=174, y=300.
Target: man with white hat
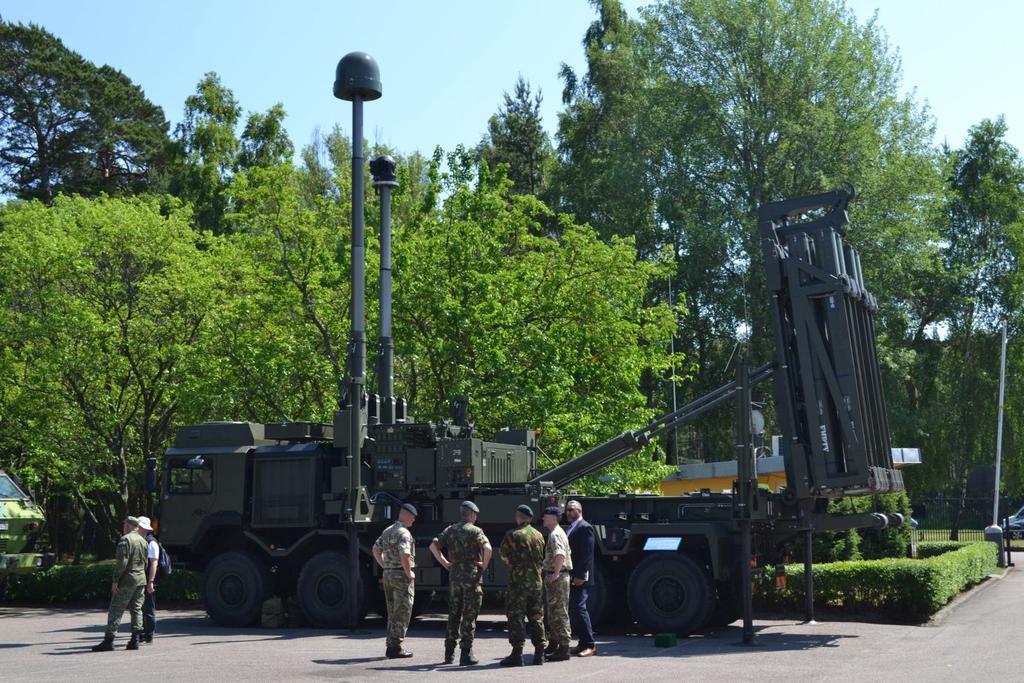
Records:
x=152, y=562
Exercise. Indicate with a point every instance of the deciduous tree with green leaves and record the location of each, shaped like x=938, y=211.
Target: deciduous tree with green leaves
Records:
x=537, y=331
x=102, y=302
x=691, y=117
x=982, y=248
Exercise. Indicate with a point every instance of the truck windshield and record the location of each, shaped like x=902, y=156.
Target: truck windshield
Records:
x=8, y=489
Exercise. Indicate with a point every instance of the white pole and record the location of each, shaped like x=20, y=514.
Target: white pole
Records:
x=999, y=430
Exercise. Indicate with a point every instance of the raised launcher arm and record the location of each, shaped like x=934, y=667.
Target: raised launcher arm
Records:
x=828, y=389
x=627, y=443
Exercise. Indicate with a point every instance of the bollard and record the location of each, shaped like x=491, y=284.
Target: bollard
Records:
x=994, y=534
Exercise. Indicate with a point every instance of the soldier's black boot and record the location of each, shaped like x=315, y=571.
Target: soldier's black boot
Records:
x=550, y=649
x=449, y=652
x=514, y=659
x=538, y=655
x=467, y=658
x=106, y=646
x=561, y=653
x=146, y=638
x=133, y=644
x=397, y=653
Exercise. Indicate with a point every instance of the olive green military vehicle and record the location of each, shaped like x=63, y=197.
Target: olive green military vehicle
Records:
x=22, y=548
x=278, y=508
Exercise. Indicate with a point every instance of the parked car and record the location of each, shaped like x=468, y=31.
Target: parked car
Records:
x=1016, y=521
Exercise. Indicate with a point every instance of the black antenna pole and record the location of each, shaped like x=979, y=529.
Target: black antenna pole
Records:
x=383, y=171
x=357, y=80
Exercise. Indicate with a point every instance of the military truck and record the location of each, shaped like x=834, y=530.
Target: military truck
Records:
x=278, y=508
x=22, y=547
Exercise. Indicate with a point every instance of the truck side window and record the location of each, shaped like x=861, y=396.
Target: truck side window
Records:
x=185, y=480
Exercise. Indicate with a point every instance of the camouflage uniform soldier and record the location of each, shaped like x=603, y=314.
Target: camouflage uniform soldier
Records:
x=556, y=569
x=128, y=587
x=395, y=553
x=523, y=550
x=469, y=553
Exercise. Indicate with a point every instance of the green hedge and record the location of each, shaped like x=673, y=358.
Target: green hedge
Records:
x=91, y=583
x=898, y=588
x=926, y=549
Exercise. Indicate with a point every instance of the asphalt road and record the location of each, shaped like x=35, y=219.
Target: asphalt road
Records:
x=978, y=639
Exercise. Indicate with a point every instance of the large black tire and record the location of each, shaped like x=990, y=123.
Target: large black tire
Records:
x=324, y=592
x=421, y=604
x=424, y=602
x=670, y=593
x=601, y=597
x=729, y=606
x=235, y=584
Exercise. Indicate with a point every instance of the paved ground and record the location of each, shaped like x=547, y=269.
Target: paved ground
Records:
x=978, y=640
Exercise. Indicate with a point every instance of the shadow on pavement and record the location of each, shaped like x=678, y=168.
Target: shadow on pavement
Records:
x=448, y=668
x=349, y=660
x=727, y=640
x=75, y=651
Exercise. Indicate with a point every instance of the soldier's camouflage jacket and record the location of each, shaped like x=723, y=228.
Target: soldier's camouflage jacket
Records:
x=464, y=545
x=523, y=549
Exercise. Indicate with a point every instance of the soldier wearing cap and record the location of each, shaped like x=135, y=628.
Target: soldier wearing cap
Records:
x=468, y=555
x=522, y=549
x=556, y=569
x=127, y=588
x=395, y=553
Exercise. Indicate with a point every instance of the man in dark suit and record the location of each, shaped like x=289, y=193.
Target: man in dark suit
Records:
x=581, y=547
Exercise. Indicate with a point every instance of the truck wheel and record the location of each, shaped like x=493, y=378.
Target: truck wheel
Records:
x=670, y=593
x=422, y=603
x=729, y=606
x=324, y=591
x=600, y=596
x=235, y=584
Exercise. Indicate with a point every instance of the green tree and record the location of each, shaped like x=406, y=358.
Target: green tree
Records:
x=210, y=146
x=690, y=118
x=265, y=141
x=281, y=338
x=535, y=330
x=515, y=136
x=981, y=233
x=607, y=137
x=102, y=301
x=69, y=126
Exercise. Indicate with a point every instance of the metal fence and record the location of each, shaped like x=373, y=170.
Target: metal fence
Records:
x=946, y=519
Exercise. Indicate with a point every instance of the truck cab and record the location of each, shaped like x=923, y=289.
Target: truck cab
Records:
x=22, y=549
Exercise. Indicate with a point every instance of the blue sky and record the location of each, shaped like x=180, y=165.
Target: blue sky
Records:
x=445, y=65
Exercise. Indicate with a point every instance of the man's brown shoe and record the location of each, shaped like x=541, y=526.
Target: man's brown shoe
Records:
x=587, y=651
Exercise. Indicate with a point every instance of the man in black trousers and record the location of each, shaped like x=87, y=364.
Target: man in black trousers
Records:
x=581, y=546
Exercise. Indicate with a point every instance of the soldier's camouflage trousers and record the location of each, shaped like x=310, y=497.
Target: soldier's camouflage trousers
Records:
x=398, y=593
x=556, y=597
x=525, y=606
x=126, y=597
x=463, y=608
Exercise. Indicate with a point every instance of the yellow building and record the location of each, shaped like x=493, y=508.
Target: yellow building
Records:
x=771, y=472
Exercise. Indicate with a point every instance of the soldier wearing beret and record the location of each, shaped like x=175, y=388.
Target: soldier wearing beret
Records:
x=468, y=554
x=395, y=553
x=523, y=550
x=127, y=588
x=556, y=569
